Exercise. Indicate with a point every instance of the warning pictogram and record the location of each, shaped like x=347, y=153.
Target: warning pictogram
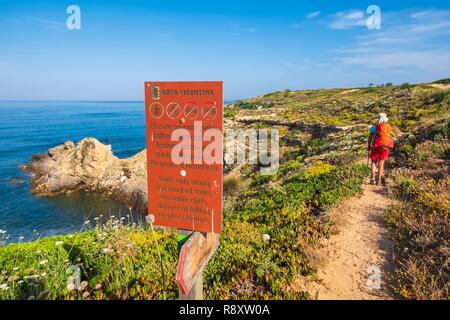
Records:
x=209, y=111
x=173, y=110
x=191, y=110
x=156, y=110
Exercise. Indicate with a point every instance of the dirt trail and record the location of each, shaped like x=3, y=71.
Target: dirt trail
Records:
x=352, y=258
x=348, y=91
x=441, y=86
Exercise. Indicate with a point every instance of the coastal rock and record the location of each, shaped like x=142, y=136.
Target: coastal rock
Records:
x=90, y=165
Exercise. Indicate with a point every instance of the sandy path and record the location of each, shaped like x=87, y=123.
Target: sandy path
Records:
x=348, y=91
x=441, y=86
x=352, y=259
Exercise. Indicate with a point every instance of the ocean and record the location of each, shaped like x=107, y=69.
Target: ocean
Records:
x=31, y=127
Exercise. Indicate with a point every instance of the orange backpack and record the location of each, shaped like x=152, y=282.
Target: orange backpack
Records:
x=384, y=136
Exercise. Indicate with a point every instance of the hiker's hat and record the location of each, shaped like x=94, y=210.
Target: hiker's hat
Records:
x=382, y=117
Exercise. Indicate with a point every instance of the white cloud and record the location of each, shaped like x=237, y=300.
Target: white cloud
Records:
x=237, y=27
x=409, y=42
x=347, y=20
x=310, y=15
x=431, y=20
x=428, y=61
x=46, y=23
x=313, y=14
x=403, y=29
x=304, y=64
x=351, y=15
x=431, y=26
x=430, y=14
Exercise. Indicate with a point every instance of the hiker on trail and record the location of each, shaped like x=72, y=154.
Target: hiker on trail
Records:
x=379, y=144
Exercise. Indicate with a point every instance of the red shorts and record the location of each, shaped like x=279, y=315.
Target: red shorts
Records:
x=379, y=153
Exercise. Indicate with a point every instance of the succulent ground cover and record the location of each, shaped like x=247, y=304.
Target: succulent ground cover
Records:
x=271, y=221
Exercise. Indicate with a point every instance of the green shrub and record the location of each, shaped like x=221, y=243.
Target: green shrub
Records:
x=443, y=81
x=419, y=225
x=248, y=106
x=291, y=215
x=231, y=185
x=406, y=85
x=114, y=260
x=229, y=113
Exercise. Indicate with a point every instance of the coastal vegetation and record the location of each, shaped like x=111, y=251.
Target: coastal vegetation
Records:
x=271, y=222
x=419, y=222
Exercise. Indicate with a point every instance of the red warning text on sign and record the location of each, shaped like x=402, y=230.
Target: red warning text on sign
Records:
x=184, y=154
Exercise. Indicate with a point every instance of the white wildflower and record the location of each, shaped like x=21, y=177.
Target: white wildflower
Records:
x=265, y=237
x=106, y=250
x=59, y=243
x=150, y=219
x=83, y=286
x=38, y=251
x=43, y=262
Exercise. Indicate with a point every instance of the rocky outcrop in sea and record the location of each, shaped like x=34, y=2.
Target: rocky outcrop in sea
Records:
x=91, y=166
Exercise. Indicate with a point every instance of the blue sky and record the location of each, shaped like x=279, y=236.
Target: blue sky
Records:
x=255, y=47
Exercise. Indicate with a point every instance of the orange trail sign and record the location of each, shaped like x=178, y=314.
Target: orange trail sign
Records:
x=184, y=154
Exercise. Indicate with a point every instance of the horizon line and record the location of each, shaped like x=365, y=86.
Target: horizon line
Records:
x=79, y=100
x=225, y=100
